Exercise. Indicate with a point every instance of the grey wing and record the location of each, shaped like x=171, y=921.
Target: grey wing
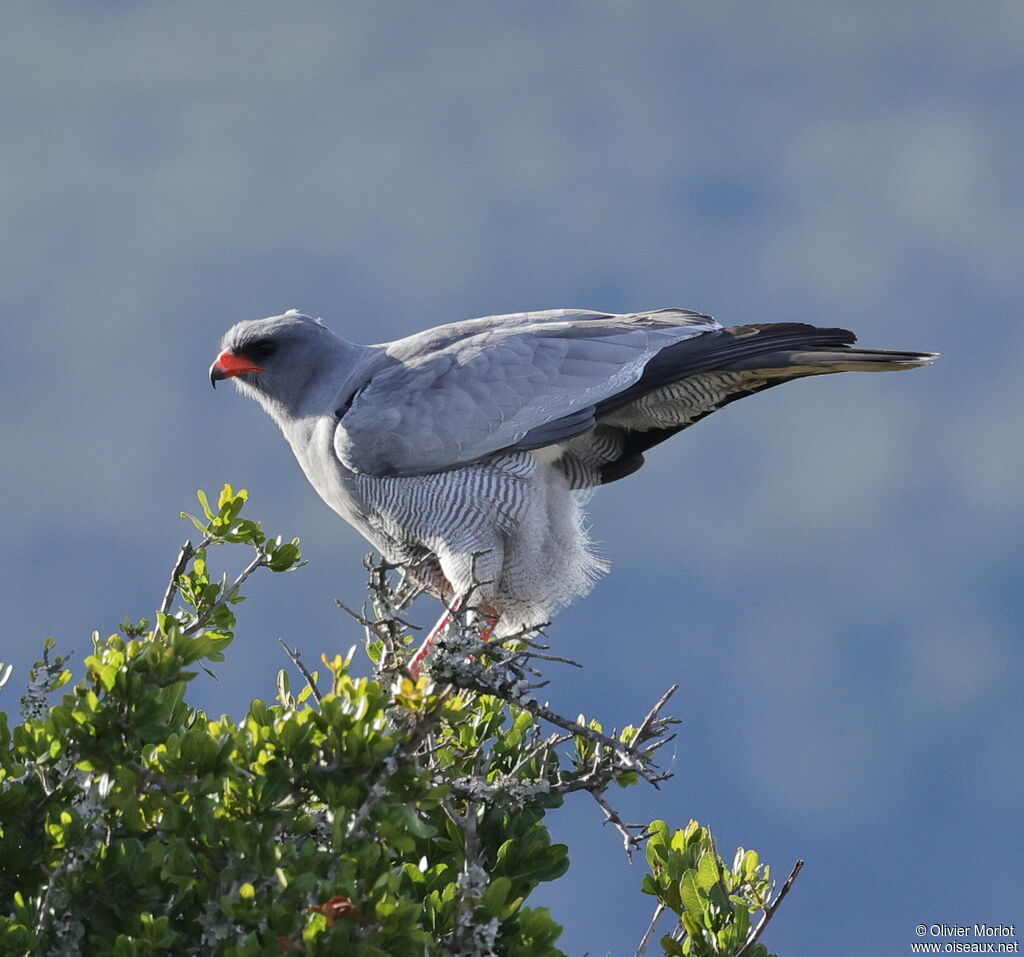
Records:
x=464, y=391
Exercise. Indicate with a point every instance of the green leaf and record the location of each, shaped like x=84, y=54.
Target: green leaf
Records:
x=741, y=921
x=284, y=557
x=707, y=871
x=205, y=505
x=496, y=895
x=690, y=893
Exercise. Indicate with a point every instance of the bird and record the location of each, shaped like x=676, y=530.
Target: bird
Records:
x=466, y=453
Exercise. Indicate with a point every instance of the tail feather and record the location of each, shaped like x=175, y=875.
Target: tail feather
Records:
x=794, y=363
x=782, y=344
x=691, y=379
x=780, y=350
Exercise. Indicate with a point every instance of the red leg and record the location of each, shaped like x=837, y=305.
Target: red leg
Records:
x=421, y=653
x=428, y=642
x=492, y=623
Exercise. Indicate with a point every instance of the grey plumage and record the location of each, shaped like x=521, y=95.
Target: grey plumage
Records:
x=470, y=449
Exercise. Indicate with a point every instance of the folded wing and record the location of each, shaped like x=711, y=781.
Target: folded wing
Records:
x=463, y=391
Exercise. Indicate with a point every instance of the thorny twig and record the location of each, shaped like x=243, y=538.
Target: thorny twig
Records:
x=641, y=758
x=633, y=835
x=293, y=654
x=647, y=728
x=507, y=679
x=540, y=749
x=362, y=619
x=229, y=593
x=408, y=589
x=185, y=555
x=372, y=624
x=505, y=667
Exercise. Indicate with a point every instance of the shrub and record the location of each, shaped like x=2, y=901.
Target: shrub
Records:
x=360, y=816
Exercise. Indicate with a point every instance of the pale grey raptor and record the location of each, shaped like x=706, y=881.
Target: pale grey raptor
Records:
x=468, y=451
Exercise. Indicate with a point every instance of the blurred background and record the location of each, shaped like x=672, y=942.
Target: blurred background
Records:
x=831, y=570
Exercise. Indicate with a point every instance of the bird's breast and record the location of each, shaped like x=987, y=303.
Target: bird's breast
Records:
x=312, y=441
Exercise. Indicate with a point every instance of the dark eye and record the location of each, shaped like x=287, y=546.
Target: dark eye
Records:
x=264, y=348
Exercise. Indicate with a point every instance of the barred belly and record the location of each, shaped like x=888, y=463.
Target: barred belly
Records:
x=511, y=528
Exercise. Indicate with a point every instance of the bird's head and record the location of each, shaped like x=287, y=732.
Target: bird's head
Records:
x=274, y=360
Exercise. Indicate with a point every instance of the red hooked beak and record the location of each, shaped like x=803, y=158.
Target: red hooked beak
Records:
x=229, y=365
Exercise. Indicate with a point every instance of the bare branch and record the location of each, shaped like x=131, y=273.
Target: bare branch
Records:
x=362, y=619
x=643, y=731
x=632, y=834
x=539, y=749
x=293, y=653
x=229, y=593
x=649, y=933
x=769, y=911
x=184, y=557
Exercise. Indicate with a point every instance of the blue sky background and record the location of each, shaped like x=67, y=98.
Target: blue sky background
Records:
x=831, y=570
